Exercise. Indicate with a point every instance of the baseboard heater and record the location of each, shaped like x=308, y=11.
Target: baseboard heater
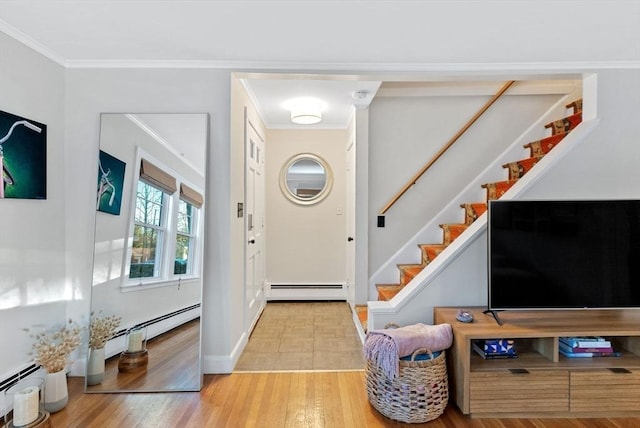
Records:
x=157, y=320
x=6, y=383
x=155, y=327
x=305, y=286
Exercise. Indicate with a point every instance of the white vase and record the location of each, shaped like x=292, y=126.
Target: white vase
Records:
x=56, y=393
x=95, y=366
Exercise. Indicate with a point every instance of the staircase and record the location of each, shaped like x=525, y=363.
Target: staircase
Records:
x=472, y=210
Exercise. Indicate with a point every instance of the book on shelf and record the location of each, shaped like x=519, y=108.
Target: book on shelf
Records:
x=586, y=342
x=579, y=349
x=590, y=354
x=489, y=353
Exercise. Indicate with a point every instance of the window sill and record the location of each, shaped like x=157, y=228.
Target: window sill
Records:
x=150, y=284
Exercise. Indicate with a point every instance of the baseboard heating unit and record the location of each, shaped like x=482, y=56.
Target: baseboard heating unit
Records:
x=306, y=292
x=307, y=286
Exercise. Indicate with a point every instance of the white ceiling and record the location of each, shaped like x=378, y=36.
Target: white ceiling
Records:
x=272, y=93
x=185, y=134
x=262, y=32
x=433, y=39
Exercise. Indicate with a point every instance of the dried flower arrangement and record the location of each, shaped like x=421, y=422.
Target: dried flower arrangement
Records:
x=102, y=329
x=52, y=348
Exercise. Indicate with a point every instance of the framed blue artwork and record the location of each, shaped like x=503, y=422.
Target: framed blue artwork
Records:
x=110, y=183
x=23, y=157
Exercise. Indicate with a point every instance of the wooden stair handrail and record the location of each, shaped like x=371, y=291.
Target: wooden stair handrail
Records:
x=447, y=146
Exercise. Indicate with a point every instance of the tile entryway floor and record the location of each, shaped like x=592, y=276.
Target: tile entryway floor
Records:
x=293, y=336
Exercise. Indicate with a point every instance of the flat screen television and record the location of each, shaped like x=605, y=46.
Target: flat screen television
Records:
x=563, y=254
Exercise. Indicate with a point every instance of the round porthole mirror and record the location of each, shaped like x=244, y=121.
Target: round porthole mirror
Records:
x=306, y=179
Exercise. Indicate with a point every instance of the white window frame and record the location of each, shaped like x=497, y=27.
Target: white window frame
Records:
x=193, y=239
x=166, y=254
x=162, y=230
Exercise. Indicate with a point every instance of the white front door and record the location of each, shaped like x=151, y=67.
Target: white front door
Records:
x=350, y=208
x=254, y=224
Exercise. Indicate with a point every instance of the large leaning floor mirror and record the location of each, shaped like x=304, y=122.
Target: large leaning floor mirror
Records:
x=144, y=334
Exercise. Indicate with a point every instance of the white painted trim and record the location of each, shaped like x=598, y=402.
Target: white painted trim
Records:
x=476, y=88
x=217, y=364
x=31, y=43
x=439, y=68
x=224, y=364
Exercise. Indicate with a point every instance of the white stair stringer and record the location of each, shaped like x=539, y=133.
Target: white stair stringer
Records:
x=458, y=276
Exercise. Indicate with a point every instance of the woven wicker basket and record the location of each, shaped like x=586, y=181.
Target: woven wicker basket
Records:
x=419, y=394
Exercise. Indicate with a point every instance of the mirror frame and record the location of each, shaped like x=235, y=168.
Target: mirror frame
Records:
x=322, y=194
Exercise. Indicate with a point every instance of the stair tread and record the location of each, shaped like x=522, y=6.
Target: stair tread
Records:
x=462, y=225
x=529, y=159
x=451, y=231
x=410, y=265
x=499, y=182
x=443, y=246
x=575, y=105
x=497, y=189
x=431, y=251
x=473, y=210
x=565, y=124
x=543, y=146
x=395, y=285
x=474, y=204
x=387, y=291
x=362, y=311
x=517, y=169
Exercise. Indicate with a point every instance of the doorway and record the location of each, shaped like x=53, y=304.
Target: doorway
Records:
x=299, y=256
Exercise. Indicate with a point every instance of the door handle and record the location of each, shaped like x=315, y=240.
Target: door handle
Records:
x=349, y=239
x=252, y=241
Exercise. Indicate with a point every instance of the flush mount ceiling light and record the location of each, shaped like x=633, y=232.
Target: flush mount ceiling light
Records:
x=305, y=110
x=307, y=116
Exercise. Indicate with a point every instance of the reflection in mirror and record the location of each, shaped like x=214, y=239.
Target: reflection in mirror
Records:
x=147, y=278
x=306, y=179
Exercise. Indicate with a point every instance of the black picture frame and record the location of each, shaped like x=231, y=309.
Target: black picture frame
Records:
x=23, y=157
x=110, y=183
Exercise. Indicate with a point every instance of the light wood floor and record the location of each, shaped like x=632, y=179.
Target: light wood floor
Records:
x=173, y=364
x=270, y=400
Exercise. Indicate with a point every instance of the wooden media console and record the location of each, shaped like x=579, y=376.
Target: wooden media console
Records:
x=541, y=382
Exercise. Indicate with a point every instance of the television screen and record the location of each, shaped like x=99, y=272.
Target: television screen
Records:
x=564, y=254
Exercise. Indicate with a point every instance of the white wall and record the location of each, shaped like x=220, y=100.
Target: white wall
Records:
x=34, y=283
x=306, y=243
x=91, y=92
x=605, y=165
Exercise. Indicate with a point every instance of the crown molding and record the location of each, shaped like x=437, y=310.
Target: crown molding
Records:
x=364, y=68
x=477, y=88
x=31, y=43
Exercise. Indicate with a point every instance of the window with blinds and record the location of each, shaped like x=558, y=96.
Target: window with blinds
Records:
x=165, y=226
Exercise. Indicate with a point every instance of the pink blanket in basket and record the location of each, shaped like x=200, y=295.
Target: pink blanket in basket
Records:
x=385, y=347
